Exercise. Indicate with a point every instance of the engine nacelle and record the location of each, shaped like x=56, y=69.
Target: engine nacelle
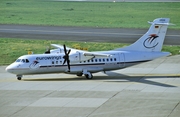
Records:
x=56, y=51
x=78, y=57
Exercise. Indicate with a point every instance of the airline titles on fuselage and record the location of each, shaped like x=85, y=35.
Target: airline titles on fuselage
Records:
x=49, y=58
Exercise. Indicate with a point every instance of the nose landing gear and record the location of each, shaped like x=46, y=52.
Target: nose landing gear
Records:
x=19, y=77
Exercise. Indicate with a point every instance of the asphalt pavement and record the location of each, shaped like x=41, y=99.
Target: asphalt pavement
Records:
x=150, y=89
x=113, y=35
x=122, y=0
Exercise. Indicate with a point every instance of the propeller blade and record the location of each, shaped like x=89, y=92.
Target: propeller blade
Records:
x=65, y=51
x=66, y=57
x=68, y=61
x=64, y=61
x=47, y=50
x=69, y=51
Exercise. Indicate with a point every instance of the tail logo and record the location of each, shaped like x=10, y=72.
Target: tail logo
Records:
x=150, y=41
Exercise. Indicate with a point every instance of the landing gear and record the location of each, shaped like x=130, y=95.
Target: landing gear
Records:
x=89, y=75
x=19, y=77
x=79, y=74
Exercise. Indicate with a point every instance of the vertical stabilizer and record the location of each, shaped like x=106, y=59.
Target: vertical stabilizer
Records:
x=153, y=39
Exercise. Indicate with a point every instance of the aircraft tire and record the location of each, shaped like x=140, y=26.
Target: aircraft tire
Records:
x=19, y=78
x=89, y=76
x=79, y=74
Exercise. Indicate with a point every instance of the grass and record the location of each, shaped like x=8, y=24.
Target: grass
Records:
x=86, y=14
x=11, y=49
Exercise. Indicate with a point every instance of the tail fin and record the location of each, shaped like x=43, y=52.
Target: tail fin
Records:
x=153, y=39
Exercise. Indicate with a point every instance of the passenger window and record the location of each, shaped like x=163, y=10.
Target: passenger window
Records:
x=99, y=60
x=95, y=60
x=52, y=62
x=92, y=60
x=88, y=60
x=103, y=60
x=114, y=59
x=107, y=59
x=111, y=59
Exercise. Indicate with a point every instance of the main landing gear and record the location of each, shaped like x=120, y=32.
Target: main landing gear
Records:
x=19, y=77
x=87, y=74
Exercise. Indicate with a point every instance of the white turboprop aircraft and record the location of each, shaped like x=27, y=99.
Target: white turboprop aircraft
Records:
x=79, y=62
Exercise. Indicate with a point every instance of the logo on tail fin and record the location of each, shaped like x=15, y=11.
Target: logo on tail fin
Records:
x=150, y=41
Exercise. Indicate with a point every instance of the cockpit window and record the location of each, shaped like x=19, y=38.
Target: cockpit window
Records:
x=23, y=60
x=18, y=60
x=27, y=61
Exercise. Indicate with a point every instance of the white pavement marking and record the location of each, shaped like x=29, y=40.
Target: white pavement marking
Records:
x=69, y=102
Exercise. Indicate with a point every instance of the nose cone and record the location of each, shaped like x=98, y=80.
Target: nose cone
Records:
x=12, y=68
x=9, y=69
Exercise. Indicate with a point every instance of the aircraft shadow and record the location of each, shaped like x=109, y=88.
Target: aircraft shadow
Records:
x=116, y=77
x=142, y=79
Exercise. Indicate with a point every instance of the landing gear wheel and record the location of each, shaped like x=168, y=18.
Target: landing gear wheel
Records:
x=89, y=76
x=79, y=74
x=19, y=77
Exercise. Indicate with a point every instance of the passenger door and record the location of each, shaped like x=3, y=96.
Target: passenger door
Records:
x=121, y=60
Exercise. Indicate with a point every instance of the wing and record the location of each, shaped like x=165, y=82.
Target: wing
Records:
x=85, y=54
x=59, y=46
x=96, y=55
x=62, y=48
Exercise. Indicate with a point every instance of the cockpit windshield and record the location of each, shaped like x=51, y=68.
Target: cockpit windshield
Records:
x=18, y=60
x=22, y=60
x=27, y=61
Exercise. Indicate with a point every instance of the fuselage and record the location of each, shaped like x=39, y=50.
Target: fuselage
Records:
x=53, y=63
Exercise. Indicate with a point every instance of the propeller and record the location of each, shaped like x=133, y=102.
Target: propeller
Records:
x=66, y=57
x=47, y=50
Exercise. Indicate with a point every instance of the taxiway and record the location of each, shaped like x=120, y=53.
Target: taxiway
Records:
x=83, y=34
x=150, y=89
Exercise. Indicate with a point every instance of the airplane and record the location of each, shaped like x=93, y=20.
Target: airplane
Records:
x=80, y=62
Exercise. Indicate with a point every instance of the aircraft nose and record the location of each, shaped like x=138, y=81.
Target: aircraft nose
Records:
x=13, y=68
x=8, y=69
